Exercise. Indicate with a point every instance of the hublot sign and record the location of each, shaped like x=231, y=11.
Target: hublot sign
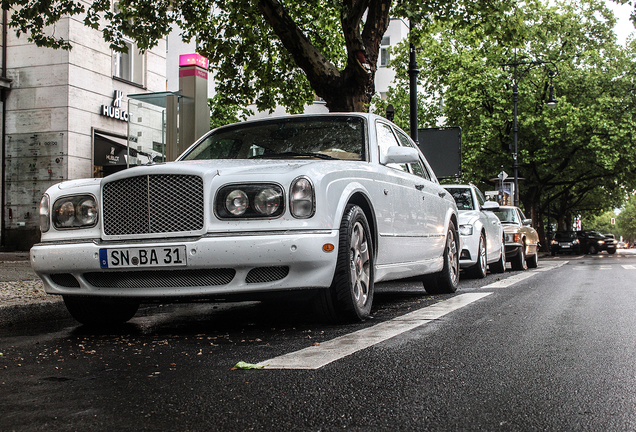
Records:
x=115, y=111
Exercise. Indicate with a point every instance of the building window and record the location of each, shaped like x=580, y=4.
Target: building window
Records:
x=384, y=51
x=131, y=65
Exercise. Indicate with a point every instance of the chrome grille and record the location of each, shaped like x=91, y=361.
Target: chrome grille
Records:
x=160, y=203
x=161, y=278
x=266, y=274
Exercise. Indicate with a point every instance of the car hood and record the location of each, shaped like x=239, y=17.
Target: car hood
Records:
x=468, y=216
x=511, y=228
x=227, y=167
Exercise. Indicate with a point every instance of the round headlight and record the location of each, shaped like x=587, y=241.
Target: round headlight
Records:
x=45, y=215
x=268, y=201
x=87, y=212
x=236, y=202
x=65, y=214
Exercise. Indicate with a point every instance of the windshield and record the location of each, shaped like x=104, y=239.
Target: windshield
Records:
x=565, y=236
x=463, y=198
x=338, y=137
x=507, y=215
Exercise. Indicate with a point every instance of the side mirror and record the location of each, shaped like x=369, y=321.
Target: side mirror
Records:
x=490, y=206
x=399, y=155
x=527, y=222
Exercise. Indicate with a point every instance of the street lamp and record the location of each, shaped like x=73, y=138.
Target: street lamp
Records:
x=551, y=103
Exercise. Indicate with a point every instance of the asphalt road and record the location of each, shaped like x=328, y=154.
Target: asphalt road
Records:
x=546, y=349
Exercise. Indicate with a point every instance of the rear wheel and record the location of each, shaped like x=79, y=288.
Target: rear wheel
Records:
x=446, y=280
x=500, y=266
x=350, y=296
x=100, y=311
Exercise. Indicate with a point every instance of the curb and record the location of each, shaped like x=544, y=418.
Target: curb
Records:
x=32, y=312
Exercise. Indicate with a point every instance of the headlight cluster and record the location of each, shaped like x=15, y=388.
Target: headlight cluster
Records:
x=266, y=200
x=466, y=230
x=79, y=211
x=513, y=237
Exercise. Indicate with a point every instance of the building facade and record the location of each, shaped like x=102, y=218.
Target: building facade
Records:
x=65, y=117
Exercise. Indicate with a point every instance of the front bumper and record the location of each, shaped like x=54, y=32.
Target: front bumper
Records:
x=469, y=253
x=216, y=264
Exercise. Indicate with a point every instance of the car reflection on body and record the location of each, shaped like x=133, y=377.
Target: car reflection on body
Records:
x=522, y=241
x=481, y=231
x=328, y=204
x=565, y=242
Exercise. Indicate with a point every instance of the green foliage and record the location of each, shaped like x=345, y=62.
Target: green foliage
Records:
x=222, y=113
x=578, y=158
x=314, y=51
x=626, y=220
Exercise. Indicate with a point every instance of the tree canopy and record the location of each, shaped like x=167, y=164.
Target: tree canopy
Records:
x=580, y=157
x=269, y=52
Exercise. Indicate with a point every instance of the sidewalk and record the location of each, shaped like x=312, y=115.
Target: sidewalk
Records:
x=22, y=296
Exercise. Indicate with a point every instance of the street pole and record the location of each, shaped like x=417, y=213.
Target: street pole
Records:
x=515, y=128
x=413, y=71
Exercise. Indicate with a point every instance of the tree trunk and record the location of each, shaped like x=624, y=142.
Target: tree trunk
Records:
x=352, y=88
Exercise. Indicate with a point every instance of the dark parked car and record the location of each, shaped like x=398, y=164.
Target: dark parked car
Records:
x=611, y=244
x=565, y=241
x=593, y=242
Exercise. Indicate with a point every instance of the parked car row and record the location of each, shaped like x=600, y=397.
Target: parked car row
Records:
x=586, y=241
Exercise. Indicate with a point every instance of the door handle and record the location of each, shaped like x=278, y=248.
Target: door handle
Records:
x=419, y=187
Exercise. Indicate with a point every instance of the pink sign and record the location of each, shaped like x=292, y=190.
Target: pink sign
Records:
x=193, y=60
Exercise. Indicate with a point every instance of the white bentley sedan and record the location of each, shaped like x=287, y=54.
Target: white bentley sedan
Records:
x=327, y=203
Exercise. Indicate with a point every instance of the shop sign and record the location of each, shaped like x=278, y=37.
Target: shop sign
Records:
x=115, y=111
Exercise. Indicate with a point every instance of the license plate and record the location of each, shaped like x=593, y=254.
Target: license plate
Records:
x=163, y=256
x=565, y=245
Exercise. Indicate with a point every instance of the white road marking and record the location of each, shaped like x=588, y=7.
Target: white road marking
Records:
x=629, y=267
x=505, y=283
x=315, y=357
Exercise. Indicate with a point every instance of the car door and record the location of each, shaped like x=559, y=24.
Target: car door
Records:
x=434, y=206
x=493, y=227
x=408, y=238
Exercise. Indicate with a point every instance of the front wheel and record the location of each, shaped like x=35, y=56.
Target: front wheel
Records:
x=480, y=268
x=100, y=311
x=519, y=261
x=533, y=261
x=447, y=279
x=350, y=296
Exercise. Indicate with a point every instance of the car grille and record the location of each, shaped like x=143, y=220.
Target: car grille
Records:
x=161, y=203
x=161, y=278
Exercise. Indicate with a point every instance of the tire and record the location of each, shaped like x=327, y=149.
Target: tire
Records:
x=533, y=261
x=592, y=250
x=446, y=281
x=350, y=296
x=480, y=269
x=611, y=252
x=553, y=253
x=519, y=261
x=99, y=311
x=500, y=266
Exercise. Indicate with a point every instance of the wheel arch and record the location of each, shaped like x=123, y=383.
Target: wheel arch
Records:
x=362, y=200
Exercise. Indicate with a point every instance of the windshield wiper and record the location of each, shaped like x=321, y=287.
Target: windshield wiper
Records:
x=292, y=154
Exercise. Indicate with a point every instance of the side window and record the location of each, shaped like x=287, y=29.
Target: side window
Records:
x=417, y=168
x=386, y=139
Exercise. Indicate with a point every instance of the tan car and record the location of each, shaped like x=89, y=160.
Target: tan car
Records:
x=522, y=241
